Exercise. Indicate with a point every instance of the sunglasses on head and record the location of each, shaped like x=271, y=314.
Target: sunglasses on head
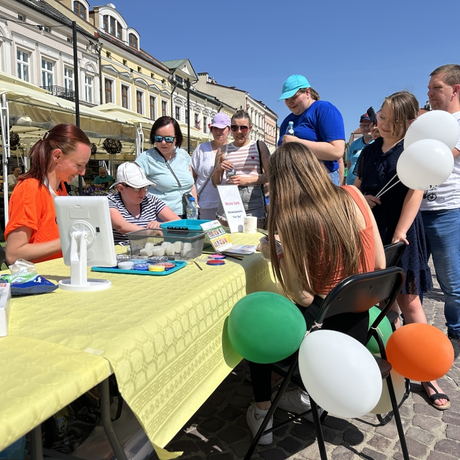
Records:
x=167, y=139
x=236, y=128
x=137, y=190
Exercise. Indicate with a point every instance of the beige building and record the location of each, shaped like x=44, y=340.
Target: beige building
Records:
x=263, y=119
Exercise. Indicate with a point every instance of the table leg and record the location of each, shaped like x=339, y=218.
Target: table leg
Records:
x=36, y=446
x=107, y=421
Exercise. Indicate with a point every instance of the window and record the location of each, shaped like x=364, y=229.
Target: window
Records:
x=47, y=29
x=179, y=80
x=197, y=120
x=205, y=125
x=108, y=91
x=88, y=89
x=164, y=111
x=118, y=30
x=112, y=26
x=153, y=101
x=125, y=62
x=105, y=23
x=133, y=41
x=124, y=96
x=177, y=113
x=68, y=78
x=79, y=9
x=187, y=113
x=69, y=40
x=21, y=17
x=23, y=59
x=139, y=69
x=47, y=73
x=139, y=100
x=108, y=54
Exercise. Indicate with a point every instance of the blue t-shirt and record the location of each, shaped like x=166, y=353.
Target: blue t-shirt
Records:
x=321, y=122
x=354, y=151
x=166, y=187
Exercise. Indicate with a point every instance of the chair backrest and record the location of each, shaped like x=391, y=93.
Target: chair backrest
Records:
x=394, y=252
x=358, y=293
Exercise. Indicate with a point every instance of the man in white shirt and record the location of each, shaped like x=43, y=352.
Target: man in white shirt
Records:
x=16, y=171
x=441, y=206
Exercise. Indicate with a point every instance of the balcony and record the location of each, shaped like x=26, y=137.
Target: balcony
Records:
x=61, y=92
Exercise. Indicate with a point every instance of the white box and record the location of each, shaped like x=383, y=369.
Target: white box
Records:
x=5, y=297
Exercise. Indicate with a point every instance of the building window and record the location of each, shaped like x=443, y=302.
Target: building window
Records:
x=47, y=73
x=187, y=113
x=152, y=111
x=125, y=62
x=124, y=96
x=177, y=113
x=139, y=69
x=105, y=23
x=133, y=41
x=112, y=26
x=197, y=120
x=68, y=78
x=23, y=59
x=79, y=9
x=179, y=80
x=118, y=30
x=21, y=17
x=164, y=111
x=139, y=104
x=108, y=91
x=205, y=124
x=88, y=89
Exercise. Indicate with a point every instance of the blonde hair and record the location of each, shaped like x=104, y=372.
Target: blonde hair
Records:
x=404, y=106
x=316, y=220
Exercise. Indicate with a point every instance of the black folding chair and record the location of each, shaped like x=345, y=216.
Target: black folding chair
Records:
x=394, y=252
x=355, y=294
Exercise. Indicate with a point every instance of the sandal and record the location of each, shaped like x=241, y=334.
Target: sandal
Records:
x=435, y=396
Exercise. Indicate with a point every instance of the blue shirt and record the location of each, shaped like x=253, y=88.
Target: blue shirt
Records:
x=354, y=151
x=321, y=122
x=166, y=187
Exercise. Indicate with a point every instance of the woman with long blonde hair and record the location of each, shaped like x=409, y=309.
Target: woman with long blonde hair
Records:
x=319, y=234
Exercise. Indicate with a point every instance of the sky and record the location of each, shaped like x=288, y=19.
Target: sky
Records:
x=354, y=53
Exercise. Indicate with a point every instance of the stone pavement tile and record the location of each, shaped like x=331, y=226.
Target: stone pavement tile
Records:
x=416, y=449
x=379, y=443
x=428, y=423
x=453, y=432
x=342, y=453
x=372, y=454
x=441, y=456
x=420, y=435
x=451, y=417
x=448, y=446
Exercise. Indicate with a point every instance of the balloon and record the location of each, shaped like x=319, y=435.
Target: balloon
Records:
x=265, y=327
x=384, y=330
x=437, y=124
x=339, y=373
x=399, y=385
x=420, y=352
x=424, y=164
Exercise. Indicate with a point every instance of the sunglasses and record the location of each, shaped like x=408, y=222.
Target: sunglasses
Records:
x=236, y=128
x=136, y=190
x=167, y=139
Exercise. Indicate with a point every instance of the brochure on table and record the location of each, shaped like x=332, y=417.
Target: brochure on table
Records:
x=233, y=207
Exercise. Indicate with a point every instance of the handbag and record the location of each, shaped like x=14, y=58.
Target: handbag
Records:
x=186, y=195
x=262, y=187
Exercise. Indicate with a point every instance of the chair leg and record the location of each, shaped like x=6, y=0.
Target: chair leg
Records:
x=397, y=416
x=272, y=409
x=318, y=430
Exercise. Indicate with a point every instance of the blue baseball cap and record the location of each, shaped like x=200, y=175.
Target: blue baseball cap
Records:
x=292, y=85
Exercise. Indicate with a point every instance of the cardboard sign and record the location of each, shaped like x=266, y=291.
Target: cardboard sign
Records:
x=233, y=206
x=217, y=235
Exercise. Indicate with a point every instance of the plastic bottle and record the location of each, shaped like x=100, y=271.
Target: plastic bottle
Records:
x=192, y=212
x=290, y=129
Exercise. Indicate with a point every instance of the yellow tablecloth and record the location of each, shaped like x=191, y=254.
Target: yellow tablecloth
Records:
x=37, y=379
x=161, y=334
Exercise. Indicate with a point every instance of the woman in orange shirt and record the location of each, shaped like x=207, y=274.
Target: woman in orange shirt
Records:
x=32, y=232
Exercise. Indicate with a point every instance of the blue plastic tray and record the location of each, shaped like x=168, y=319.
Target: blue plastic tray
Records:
x=185, y=224
x=179, y=264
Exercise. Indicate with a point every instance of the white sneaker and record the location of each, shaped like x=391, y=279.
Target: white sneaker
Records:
x=254, y=418
x=296, y=401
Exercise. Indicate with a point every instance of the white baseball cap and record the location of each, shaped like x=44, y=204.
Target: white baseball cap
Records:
x=131, y=174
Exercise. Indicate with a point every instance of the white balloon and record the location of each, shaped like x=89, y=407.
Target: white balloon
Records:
x=424, y=164
x=399, y=385
x=339, y=373
x=437, y=124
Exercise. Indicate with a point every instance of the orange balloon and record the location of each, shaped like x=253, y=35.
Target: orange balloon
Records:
x=420, y=352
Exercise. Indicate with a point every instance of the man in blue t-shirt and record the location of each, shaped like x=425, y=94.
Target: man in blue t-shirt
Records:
x=317, y=124
x=354, y=150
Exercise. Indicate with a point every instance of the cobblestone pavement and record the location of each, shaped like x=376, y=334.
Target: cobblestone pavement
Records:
x=219, y=431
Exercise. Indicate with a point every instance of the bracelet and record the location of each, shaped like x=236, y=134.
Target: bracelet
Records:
x=280, y=255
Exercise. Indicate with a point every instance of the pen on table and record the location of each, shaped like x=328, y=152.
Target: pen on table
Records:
x=197, y=264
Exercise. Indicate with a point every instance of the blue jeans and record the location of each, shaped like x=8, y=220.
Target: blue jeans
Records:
x=335, y=177
x=442, y=230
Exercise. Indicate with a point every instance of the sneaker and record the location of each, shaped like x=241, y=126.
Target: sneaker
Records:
x=455, y=341
x=254, y=418
x=296, y=401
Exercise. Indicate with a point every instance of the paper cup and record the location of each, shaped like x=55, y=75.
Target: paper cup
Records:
x=250, y=224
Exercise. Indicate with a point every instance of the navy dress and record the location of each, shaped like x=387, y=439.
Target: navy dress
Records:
x=375, y=169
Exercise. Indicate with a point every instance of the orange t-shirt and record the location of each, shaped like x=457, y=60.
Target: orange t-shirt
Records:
x=32, y=206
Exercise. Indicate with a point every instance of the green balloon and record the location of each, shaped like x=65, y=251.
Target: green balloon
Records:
x=384, y=329
x=265, y=327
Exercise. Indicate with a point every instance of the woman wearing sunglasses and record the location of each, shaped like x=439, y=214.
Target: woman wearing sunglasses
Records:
x=241, y=166
x=317, y=124
x=167, y=165
x=132, y=208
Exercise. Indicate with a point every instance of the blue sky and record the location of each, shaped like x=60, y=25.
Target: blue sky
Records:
x=354, y=53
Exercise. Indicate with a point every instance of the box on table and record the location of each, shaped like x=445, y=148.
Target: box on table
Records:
x=5, y=296
x=180, y=244
x=184, y=224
